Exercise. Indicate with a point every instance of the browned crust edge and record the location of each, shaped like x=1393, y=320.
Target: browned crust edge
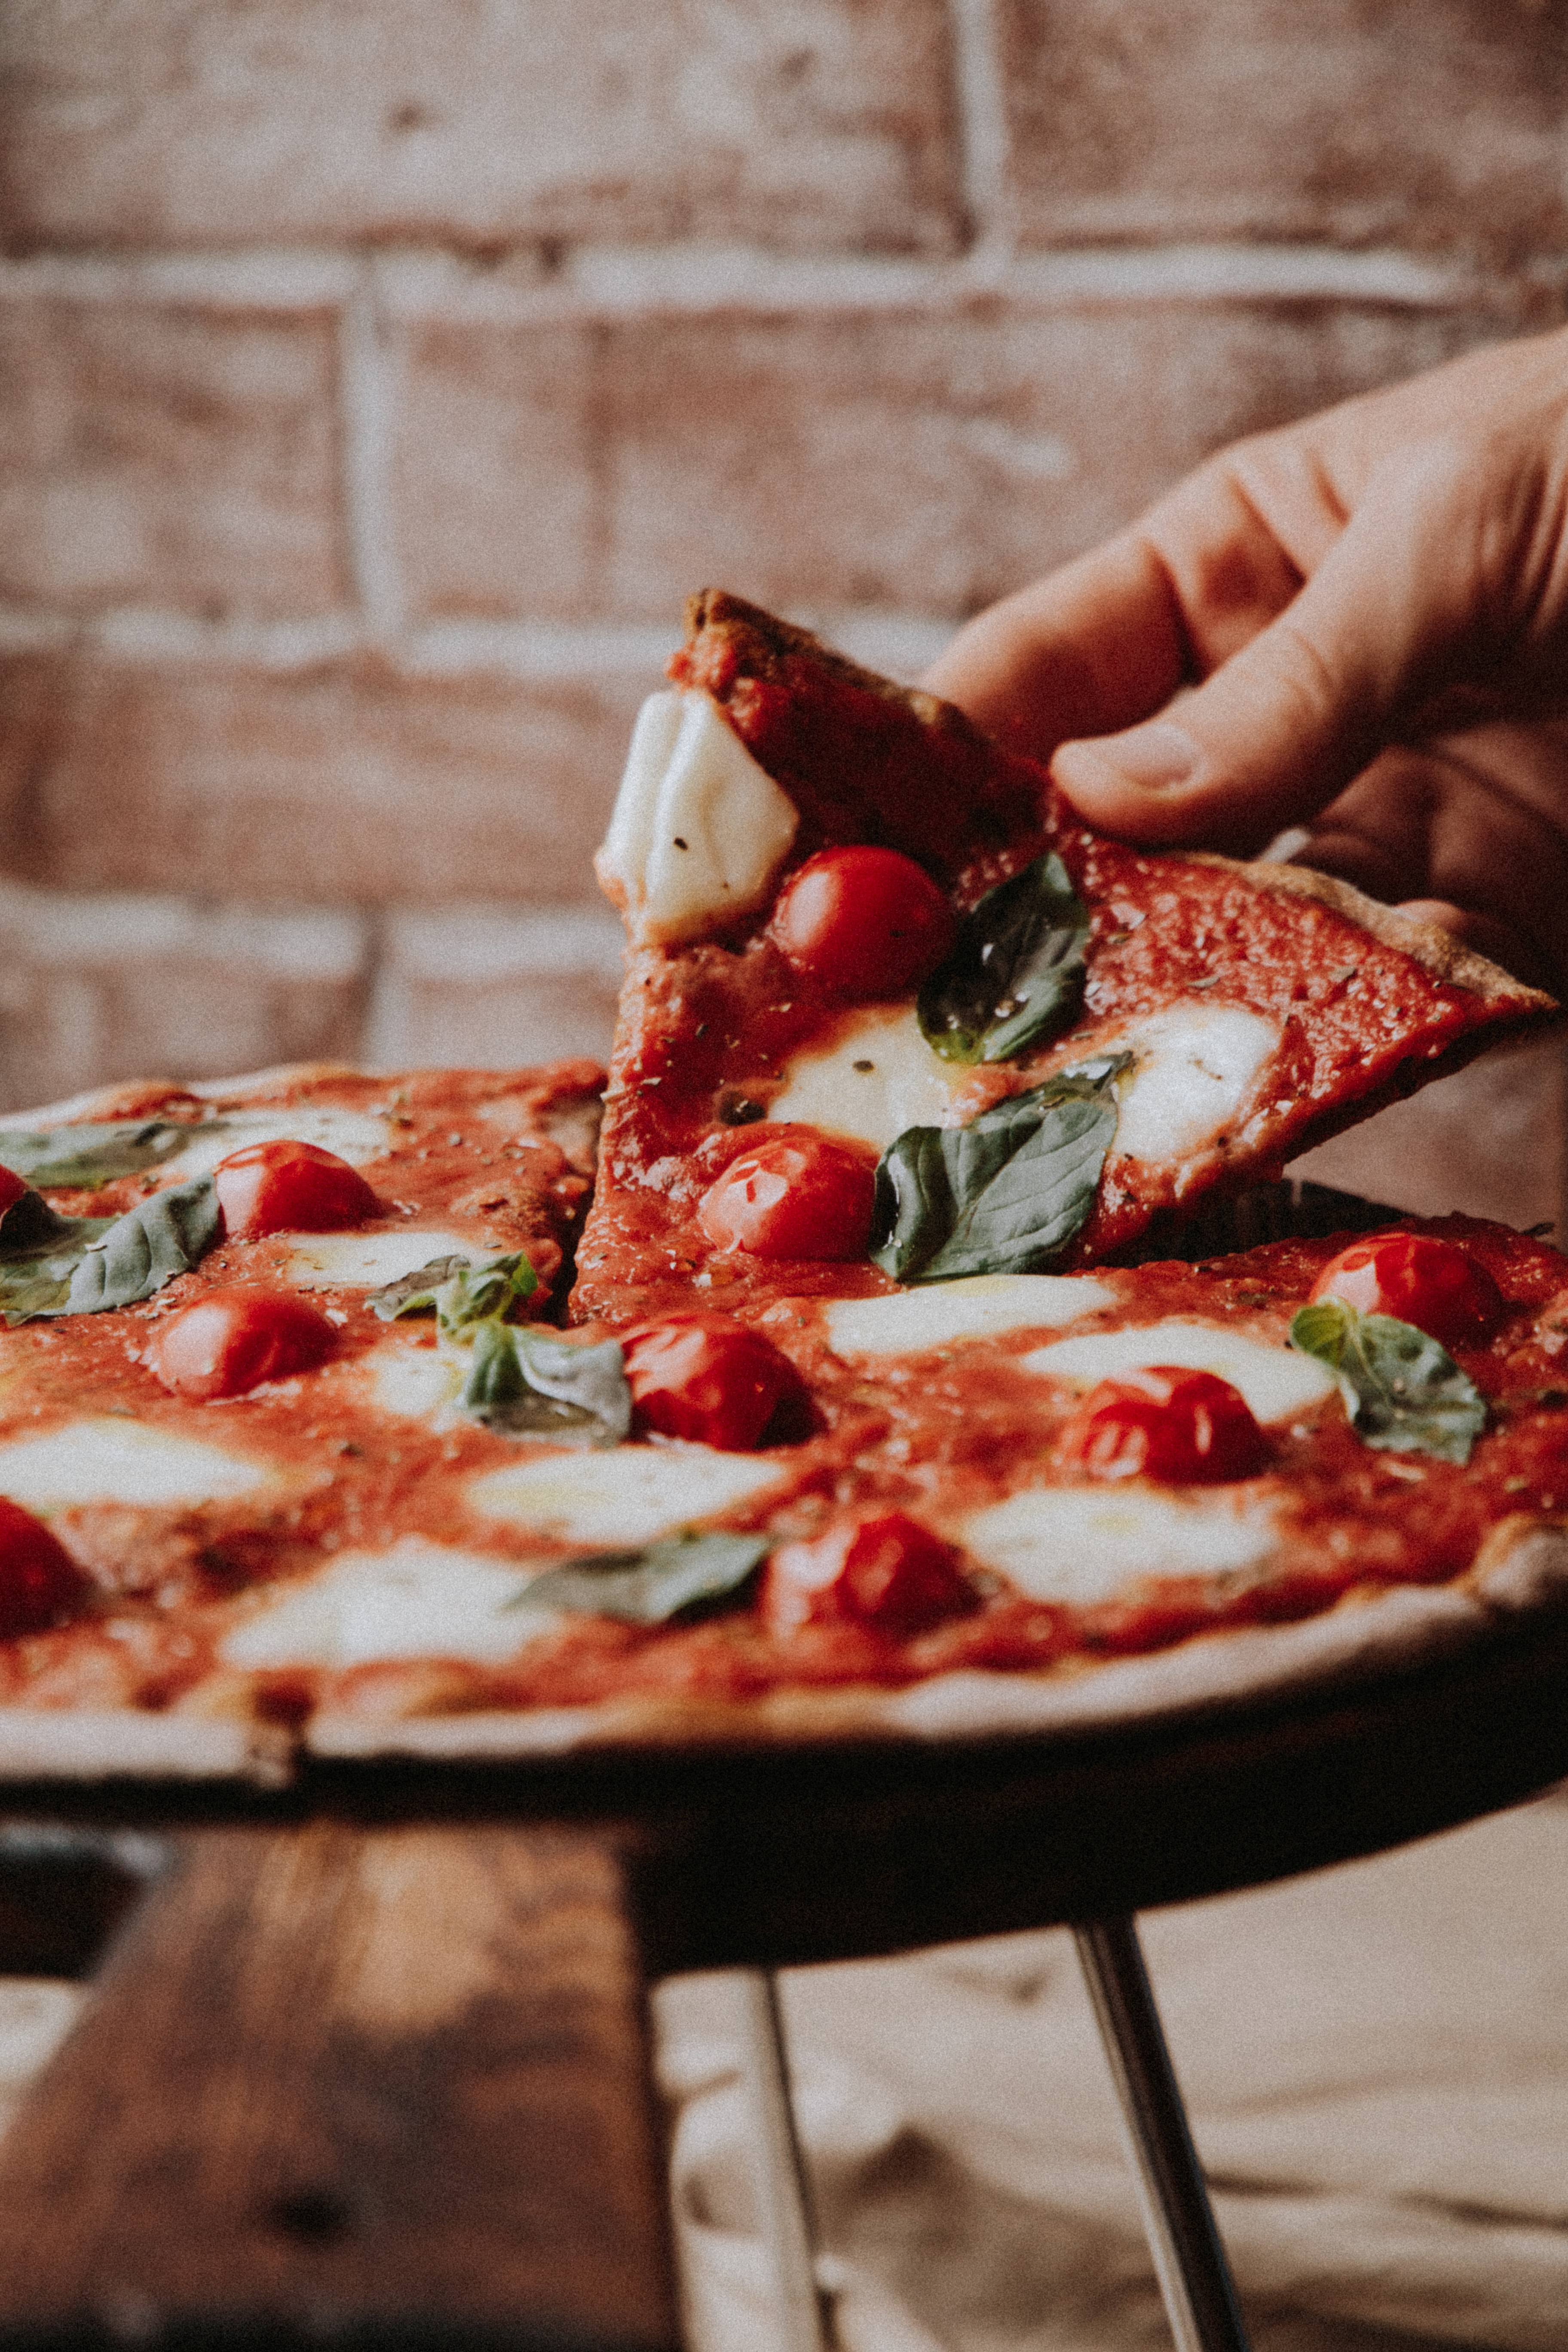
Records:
x=716, y=608
x=1521, y=1568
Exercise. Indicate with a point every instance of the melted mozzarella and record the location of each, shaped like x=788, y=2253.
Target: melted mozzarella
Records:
x=1197, y=1068
x=365, y=1261
x=627, y=1497
x=1277, y=1381
x=355, y=1136
x=114, y=1461
x=417, y=1600
x=421, y=1382
x=699, y=829
x=1083, y=1544
x=880, y=1079
x=977, y=1307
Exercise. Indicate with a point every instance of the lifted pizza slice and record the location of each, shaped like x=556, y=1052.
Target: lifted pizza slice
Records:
x=893, y=1015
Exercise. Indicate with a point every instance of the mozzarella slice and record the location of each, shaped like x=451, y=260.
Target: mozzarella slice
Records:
x=627, y=1497
x=882, y=1079
x=1197, y=1068
x=1277, y=1381
x=699, y=829
x=114, y=1461
x=357, y=1261
x=978, y=1307
x=1084, y=1544
x=417, y=1600
x=355, y=1136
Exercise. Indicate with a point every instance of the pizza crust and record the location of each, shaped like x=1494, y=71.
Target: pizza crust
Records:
x=123, y=1743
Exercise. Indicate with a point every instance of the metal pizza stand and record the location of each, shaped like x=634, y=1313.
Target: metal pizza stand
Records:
x=367, y=2057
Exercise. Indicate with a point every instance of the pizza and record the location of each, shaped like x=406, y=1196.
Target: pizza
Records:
x=893, y=1014
x=339, y=1413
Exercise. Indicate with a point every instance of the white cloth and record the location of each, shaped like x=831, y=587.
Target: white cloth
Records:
x=1376, y=2061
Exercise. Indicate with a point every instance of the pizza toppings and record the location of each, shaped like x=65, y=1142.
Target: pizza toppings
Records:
x=231, y=1342
x=278, y=1187
x=1195, y=1073
x=39, y=1582
x=876, y=1078
x=883, y=1569
x=863, y=923
x=1004, y=1194
x=1403, y=1390
x=1276, y=1383
x=1016, y=978
x=1419, y=1279
x=699, y=829
x=12, y=1189
x=804, y=1196
x=1180, y=1427
x=708, y=1379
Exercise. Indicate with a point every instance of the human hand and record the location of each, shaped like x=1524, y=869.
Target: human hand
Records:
x=1370, y=609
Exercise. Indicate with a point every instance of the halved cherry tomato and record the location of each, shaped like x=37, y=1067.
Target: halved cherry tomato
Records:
x=706, y=1378
x=12, y=1188
x=39, y=1582
x=885, y=1571
x=1182, y=1427
x=863, y=923
x=804, y=1196
x=1433, y=1284
x=231, y=1342
x=284, y=1186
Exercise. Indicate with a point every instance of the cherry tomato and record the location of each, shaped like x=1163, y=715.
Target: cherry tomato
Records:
x=708, y=1379
x=1415, y=1278
x=39, y=1582
x=804, y=1196
x=1183, y=1427
x=863, y=923
x=274, y=1187
x=884, y=1571
x=234, y=1340
x=12, y=1188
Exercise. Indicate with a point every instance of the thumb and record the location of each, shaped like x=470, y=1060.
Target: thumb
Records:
x=1280, y=729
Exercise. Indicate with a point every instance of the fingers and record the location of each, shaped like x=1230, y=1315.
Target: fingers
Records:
x=1094, y=647
x=1279, y=728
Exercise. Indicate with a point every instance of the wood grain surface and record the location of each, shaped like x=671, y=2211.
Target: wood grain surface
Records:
x=335, y=2076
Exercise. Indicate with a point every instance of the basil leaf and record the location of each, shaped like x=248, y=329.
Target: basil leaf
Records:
x=91, y=1155
x=1015, y=977
x=137, y=1253
x=461, y=1293
x=38, y=1282
x=531, y=1384
x=1004, y=1194
x=647, y=1587
x=1404, y=1392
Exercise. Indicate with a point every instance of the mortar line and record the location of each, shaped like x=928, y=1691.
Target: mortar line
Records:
x=983, y=138
x=365, y=421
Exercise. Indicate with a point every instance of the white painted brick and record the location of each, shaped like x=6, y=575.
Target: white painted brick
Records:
x=480, y=984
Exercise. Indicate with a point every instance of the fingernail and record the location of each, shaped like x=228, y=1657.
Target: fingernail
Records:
x=1155, y=758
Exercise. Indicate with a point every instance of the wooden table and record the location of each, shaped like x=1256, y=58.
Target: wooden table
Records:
x=368, y=2063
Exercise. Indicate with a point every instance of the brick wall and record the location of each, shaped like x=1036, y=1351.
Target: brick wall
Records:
x=377, y=376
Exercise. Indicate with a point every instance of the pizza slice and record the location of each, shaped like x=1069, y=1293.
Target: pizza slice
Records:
x=893, y=1015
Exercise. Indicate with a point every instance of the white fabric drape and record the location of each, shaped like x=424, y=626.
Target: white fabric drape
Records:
x=1376, y=2063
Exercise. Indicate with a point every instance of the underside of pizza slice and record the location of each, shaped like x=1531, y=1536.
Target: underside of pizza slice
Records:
x=893, y=1015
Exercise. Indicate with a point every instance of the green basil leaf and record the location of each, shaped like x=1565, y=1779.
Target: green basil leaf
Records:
x=649, y=1586
x=1004, y=1194
x=91, y=1155
x=38, y=1282
x=1015, y=977
x=531, y=1384
x=161, y=1236
x=1404, y=1392
x=461, y=1293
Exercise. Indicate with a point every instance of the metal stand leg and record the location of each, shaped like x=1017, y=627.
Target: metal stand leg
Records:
x=1189, y=2260
x=783, y=2191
